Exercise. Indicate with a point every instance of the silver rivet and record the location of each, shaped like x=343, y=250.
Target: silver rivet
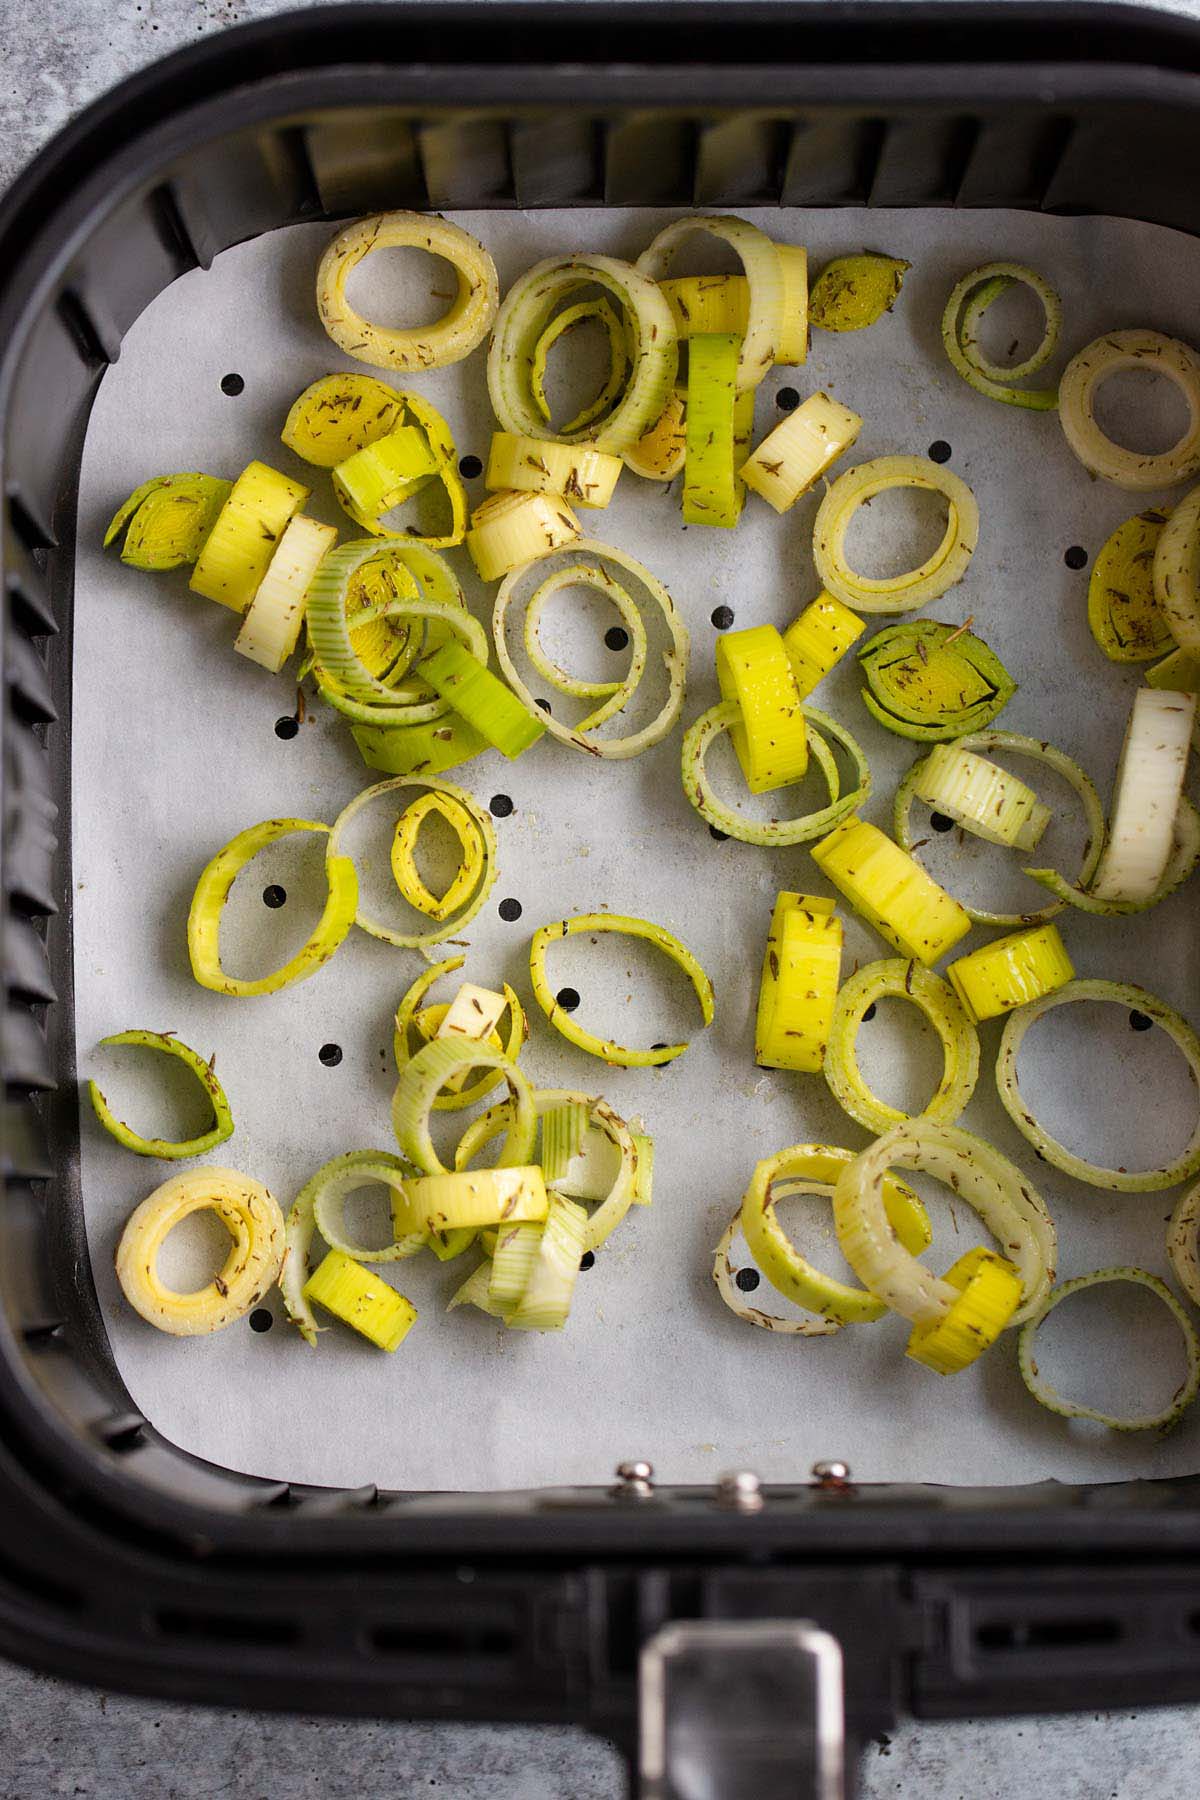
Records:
x=635, y=1481
x=831, y=1474
x=741, y=1490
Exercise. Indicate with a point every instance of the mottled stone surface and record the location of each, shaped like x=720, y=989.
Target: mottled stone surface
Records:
x=61, y=1740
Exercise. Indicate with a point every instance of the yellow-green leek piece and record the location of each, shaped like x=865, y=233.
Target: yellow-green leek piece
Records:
x=933, y=682
x=618, y=361
x=851, y=292
x=167, y=520
x=1123, y=611
x=212, y=891
x=773, y=832
x=339, y=414
x=466, y=683
x=361, y=1300
x=964, y=310
x=546, y=1298
x=712, y=494
x=423, y=1078
x=169, y=1150
x=941, y=1007
x=615, y=1054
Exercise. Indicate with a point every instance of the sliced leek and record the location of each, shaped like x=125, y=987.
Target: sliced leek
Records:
x=418, y=749
x=658, y=455
x=764, y=280
x=1177, y=572
x=546, y=1298
x=472, y=1198
x=792, y=346
x=1010, y=972
x=1047, y=1395
x=1182, y=861
x=702, y=304
x=615, y=695
x=992, y=743
x=961, y=319
x=604, y=558
x=253, y=1220
x=852, y=292
x=487, y=838
x=891, y=891
x=1009, y=1206
x=712, y=493
x=339, y=414
x=428, y=1021
x=384, y=473
x=894, y=593
x=933, y=682
x=564, y=1128
x=1130, y=469
x=950, y=1019
x=770, y=738
x=1124, y=615
x=618, y=363
x=332, y=1186
x=793, y=457
x=989, y=1293
x=238, y=550
x=512, y=529
x=1146, y=796
x=981, y=797
x=361, y=1300
x=423, y=1078
x=271, y=625
x=465, y=682
x=408, y=877
x=168, y=1149
x=523, y=317
x=167, y=520
x=799, y=984
x=585, y=477
x=815, y=1169
x=212, y=891
x=617, y=1055
x=1118, y=993
x=818, y=638
x=772, y=832
x=456, y=334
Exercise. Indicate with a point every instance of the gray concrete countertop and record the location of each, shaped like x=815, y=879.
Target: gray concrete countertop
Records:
x=56, y=1739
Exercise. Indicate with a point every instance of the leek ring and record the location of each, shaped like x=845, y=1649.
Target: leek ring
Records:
x=1048, y=1396
x=253, y=1220
x=895, y=978
x=617, y=1055
x=165, y=1148
x=455, y=335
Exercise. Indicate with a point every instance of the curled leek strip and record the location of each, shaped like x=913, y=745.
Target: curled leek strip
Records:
x=510, y=530
x=585, y=477
x=488, y=871
x=793, y=457
x=965, y=308
x=546, y=1298
x=238, y=550
x=1124, y=615
x=764, y=278
x=1146, y=796
x=989, y=1292
x=894, y=593
x=346, y=680
x=981, y=797
x=615, y=694
x=361, y=1300
x=1130, y=469
x=772, y=832
x=944, y=1010
x=770, y=737
x=1011, y=972
x=212, y=891
x=659, y=453
x=408, y=877
x=1048, y=1396
x=851, y=292
x=527, y=310
x=930, y=681
x=610, y=1186
x=470, y=1199
x=273, y=619
x=726, y=1286
x=1012, y=743
x=427, y=1020
x=339, y=414
x=617, y=1055
x=1182, y=1246
x=423, y=1078
x=1009, y=1206
x=205, y=1073
x=1119, y=993
x=815, y=1169
x=618, y=363
x=675, y=660
x=345, y=1175
x=455, y=335
x=799, y=984
x=167, y=520
x=891, y=891
x=254, y=1222
x=1177, y=572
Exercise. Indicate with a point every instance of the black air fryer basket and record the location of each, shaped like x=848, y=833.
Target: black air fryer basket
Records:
x=123, y=1557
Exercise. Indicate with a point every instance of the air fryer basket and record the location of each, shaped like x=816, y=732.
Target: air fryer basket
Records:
x=123, y=1555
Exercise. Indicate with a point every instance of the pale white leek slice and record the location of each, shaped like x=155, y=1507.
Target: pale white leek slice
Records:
x=1130, y=469
x=253, y=1220
x=1146, y=797
x=272, y=621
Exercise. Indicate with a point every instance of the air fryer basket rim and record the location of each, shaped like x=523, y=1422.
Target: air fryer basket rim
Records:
x=114, y=1541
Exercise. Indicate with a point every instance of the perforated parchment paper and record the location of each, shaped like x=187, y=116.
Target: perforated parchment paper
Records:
x=174, y=750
